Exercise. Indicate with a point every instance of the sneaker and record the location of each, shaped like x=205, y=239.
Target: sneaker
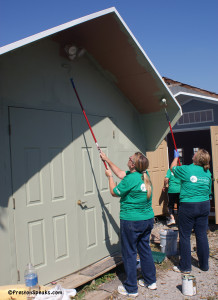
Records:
x=121, y=290
x=171, y=222
x=152, y=286
x=178, y=270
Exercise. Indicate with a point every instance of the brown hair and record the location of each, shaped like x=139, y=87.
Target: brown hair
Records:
x=202, y=158
x=141, y=164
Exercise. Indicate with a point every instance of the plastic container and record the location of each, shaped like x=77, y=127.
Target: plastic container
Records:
x=158, y=257
x=31, y=281
x=168, y=241
x=189, y=287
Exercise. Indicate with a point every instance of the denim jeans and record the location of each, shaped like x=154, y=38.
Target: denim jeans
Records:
x=193, y=215
x=135, y=235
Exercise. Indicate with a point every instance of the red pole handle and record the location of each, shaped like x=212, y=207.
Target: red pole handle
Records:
x=174, y=142
x=87, y=120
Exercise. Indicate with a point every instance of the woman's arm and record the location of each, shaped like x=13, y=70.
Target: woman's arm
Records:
x=175, y=161
x=117, y=171
x=111, y=182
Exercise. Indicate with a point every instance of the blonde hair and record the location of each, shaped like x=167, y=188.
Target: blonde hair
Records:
x=141, y=164
x=202, y=158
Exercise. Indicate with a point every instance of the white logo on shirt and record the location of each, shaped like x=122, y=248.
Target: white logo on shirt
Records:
x=118, y=191
x=143, y=188
x=193, y=179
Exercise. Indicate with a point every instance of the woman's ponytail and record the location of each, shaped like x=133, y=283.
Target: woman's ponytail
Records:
x=148, y=184
x=141, y=165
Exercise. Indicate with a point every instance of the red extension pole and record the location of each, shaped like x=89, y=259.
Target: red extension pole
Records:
x=84, y=113
x=174, y=142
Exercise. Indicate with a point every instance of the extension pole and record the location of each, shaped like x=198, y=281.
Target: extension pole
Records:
x=174, y=142
x=84, y=113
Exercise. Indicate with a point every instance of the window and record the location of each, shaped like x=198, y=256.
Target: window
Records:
x=193, y=117
x=181, y=155
x=195, y=150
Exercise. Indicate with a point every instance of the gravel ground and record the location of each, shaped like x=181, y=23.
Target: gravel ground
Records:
x=169, y=283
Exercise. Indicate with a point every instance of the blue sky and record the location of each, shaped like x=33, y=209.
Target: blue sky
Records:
x=179, y=37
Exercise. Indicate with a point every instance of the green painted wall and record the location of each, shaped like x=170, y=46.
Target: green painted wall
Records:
x=36, y=76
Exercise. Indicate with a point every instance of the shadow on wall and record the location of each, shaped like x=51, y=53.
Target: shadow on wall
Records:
x=39, y=129
x=105, y=212
x=50, y=131
x=163, y=200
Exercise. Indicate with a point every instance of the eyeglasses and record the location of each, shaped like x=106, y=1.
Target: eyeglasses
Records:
x=131, y=160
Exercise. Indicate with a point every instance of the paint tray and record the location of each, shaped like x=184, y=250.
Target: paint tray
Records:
x=158, y=257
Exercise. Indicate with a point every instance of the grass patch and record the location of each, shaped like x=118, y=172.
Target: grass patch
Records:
x=83, y=290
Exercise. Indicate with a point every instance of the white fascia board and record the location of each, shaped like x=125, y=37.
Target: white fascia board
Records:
x=53, y=30
x=196, y=96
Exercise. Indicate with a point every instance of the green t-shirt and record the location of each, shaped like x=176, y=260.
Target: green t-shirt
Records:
x=134, y=205
x=196, y=183
x=174, y=183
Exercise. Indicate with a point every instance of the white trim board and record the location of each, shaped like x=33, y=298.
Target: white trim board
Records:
x=200, y=97
x=55, y=29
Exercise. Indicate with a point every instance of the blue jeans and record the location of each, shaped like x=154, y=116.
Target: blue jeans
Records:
x=193, y=215
x=135, y=235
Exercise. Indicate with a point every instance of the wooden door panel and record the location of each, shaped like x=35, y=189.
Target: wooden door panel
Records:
x=214, y=146
x=158, y=166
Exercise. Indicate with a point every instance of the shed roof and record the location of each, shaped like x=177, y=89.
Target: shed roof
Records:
x=172, y=83
x=109, y=41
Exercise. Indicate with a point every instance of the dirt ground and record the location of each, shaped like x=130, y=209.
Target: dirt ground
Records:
x=169, y=283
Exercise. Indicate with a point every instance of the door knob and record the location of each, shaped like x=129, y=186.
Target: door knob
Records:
x=80, y=203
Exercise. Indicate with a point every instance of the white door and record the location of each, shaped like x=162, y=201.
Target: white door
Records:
x=98, y=214
x=43, y=177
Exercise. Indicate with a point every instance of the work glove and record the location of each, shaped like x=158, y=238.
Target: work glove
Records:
x=176, y=153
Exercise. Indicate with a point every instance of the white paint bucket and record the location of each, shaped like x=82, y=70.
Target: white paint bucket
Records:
x=168, y=241
x=189, y=287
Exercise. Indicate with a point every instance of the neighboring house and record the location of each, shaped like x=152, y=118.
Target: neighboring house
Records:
x=56, y=208
x=197, y=128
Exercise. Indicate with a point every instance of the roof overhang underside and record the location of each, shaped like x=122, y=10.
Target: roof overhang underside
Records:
x=108, y=40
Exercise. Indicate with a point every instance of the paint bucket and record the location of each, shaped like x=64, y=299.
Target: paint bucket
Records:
x=168, y=241
x=189, y=287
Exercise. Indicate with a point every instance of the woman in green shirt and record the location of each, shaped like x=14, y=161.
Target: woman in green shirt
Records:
x=136, y=220
x=194, y=208
x=174, y=186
